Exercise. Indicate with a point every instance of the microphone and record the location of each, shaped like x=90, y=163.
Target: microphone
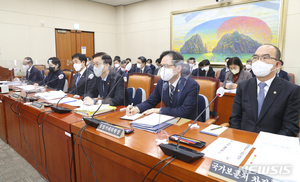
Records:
x=95, y=122
x=61, y=110
x=183, y=153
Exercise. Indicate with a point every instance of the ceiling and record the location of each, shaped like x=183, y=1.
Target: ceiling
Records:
x=117, y=2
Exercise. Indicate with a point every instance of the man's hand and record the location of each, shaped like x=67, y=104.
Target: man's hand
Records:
x=150, y=111
x=88, y=101
x=132, y=110
x=232, y=86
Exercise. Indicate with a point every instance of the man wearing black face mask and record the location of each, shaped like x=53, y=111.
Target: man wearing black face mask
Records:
x=56, y=77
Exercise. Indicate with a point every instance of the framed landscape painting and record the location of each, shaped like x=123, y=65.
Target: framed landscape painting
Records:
x=228, y=29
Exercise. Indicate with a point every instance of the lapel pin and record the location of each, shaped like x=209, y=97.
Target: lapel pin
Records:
x=178, y=90
x=108, y=83
x=274, y=92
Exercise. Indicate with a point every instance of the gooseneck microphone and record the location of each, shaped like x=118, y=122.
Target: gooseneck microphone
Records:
x=183, y=153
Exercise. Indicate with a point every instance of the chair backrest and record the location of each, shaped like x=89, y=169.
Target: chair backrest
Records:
x=202, y=104
x=136, y=96
x=292, y=77
x=208, y=88
x=141, y=80
x=40, y=67
x=7, y=73
x=65, y=89
x=218, y=74
x=46, y=71
x=69, y=77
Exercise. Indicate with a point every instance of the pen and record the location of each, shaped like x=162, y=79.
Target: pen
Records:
x=131, y=106
x=215, y=128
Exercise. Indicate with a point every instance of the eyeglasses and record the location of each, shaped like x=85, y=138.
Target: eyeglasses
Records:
x=167, y=65
x=263, y=58
x=98, y=64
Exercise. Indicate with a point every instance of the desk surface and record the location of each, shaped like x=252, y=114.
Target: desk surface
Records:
x=140, y=146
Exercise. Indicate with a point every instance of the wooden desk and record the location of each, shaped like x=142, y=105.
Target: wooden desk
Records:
x=225, y=107
x=130, y=158
x=3, y=134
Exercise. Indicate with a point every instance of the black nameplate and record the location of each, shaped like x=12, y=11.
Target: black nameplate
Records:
x=37, y=105
x=229, y=172
x=16, y=96
x=111, y=130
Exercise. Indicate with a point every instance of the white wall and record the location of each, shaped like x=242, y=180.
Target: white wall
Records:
x=22, y=35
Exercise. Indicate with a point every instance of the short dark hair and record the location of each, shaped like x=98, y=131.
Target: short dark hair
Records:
x=278, y=53
x=98, y=54
x=205, y=62
x=88, y=58
x=191, y=58
x=149, y=60
x=143, y=59
x=249, y=60
x=176, y=57
x=158, y=61
x=200, y=64
x=128, y=59
x=123, y=62
x=29, y=60
x=117, y=60
x=54, y=60
x=117, y=57
x=107, y=59
x=81, y=57
x=236, y=61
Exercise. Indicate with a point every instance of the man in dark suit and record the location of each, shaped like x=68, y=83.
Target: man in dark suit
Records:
x=205, y=71
x=32, y=74
x=157, y=70
x=107, y=81
x=266, y=103
x=84, y=78
x=178, y=93
x=249, y=67
x=224, y=71
x=117, y=66
x=89, y=63
x=141, y=66
x=149, y=64
x=281, y=73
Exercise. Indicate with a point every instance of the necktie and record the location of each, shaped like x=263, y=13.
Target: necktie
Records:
x=104, y=85
x=260, y=97
x=171, y=93
x=77, y=79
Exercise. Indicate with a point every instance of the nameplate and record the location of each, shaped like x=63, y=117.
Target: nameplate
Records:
x=37, y=105
x=111, y=130
x=16, y=96
x=228, y=172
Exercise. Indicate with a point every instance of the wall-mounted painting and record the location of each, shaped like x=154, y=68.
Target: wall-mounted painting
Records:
x=228, y=29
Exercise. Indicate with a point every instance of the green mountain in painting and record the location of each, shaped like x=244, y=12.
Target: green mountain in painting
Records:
x=236, y=43
x=193, y=46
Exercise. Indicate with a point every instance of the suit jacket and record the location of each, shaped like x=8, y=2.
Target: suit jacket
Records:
x=147, y=69
x=200, y=72
x=222, y=75
x=84, y=84
x=34, y=75
x=251, y=71
x=152, y=69
x=117, y=95
x=52, y=80
x=91, y=67
x=284, y=75
x=156, y=71
x=244, y=75
x=279, y=113
x=184, y=98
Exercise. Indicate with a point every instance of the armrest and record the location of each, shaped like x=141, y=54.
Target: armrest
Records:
x=225, y=124
x=213, y=120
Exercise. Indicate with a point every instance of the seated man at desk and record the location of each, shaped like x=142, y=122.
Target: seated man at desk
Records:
x=266, y=103
x=56, y=77
x=84, y=78
x=178, y=93
x=32, y=74
x=141, y=66
x=107, y=82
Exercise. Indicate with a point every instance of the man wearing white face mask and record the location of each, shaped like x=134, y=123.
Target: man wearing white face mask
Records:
x=32, y=74
x=117, y=67
x=107, y=82
x=150, y=65
x=141, y=66
x=206, y=70
x=178, y=93
x=84, y=78
x=266, y=103
x=249, y=67
x=192, y=62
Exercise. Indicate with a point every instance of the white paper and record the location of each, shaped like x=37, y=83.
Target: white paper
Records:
x=278, y=164
x=278, y=142
x=215, y=132
x=228, y=151
x=91, y=108
x=133, y=117
x=50, y=95
x=152, y=119
x=29, y=87
x=230, y=91
x=66, y=100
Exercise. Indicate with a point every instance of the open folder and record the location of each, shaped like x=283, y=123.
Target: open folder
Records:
x=89, y=110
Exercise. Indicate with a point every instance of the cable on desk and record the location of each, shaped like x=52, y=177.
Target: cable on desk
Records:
x=25, y=138
x=37, y=118
x=73, y=151
x=85, y=153
x=155, y=166
x=162, y=168
x=44, y=143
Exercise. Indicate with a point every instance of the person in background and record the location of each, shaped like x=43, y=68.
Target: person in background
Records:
x=192, y=62
x=89, y=63
x=249, y=67
x=141, y=66
x=158, y=68
x=281, y=73
x=123, y=68
x=149, y=63
x=206, y=70
x=224, y=71
x=266, y=103
x=236, y=73
x=84, y=78
x=178, y=93
x=106, y=81
x=32, y=74
x=56, y=77
x=130, y=68
x=117, y=67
